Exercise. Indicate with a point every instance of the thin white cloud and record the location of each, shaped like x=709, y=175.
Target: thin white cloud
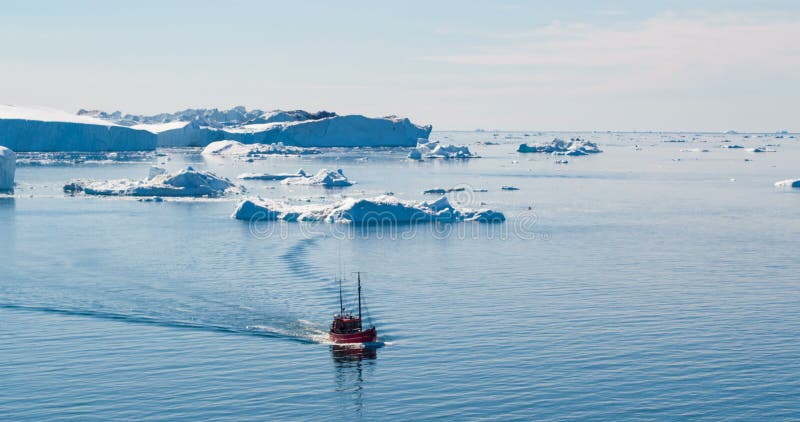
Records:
x=663, y=51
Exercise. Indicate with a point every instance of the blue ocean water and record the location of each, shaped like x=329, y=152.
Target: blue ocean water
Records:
x=640, y=283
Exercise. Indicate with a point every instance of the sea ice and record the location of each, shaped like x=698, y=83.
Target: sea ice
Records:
x=187, y=182
x=574, y=146
x=378, y=210
x=324, y=177
x=8, y=164
x=433, y=149
x=789, y=183
x=271, y=176
x=239, y=150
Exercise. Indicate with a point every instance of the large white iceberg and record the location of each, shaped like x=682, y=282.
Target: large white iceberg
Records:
x=434, y=149
x=324, y=177
x=199, y=127
x=239, y=150
x=40, y=129
x=184, y=183
x=575, y=146
x=379, y=210
x=8, y=164
x=789, y=183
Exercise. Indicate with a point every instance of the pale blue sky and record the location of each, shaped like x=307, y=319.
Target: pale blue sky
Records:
x=535, y=65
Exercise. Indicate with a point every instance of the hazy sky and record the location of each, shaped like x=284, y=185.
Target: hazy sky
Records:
x=528, y=65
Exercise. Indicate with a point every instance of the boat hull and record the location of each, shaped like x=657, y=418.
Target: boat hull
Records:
x=368, y=336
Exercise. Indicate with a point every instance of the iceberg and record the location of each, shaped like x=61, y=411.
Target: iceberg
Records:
x=271, y=176
x=574, y=146
x=378, y=210
x=240, y=150
x=324, y=177
x=8, y=164
x=199, y=127
x=184, y=183
x=25, y=129
x=433, y=149
x=442, y=191
x=789, y=183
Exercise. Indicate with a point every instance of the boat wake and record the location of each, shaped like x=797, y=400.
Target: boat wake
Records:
x=299, y=331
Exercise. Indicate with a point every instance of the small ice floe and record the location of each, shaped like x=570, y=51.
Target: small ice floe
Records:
x=442, y=191
x=732, y=146
x=574, y=146
x=379, y=210
x=324, y=177
x=760, y=149
x=249, y=151
x=509, y=188
x=152, y=199
x=185, y=183
x=488, y=143
x=562, y=161
x=694, y=150
x=747, y=159
x=433, y=149
x=271, y=176
x=8, y=165
x=788, y=183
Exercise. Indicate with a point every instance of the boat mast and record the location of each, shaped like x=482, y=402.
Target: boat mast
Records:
x=359, y=296
x=341, y=303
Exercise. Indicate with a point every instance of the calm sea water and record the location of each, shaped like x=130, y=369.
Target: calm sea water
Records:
x=634, y=284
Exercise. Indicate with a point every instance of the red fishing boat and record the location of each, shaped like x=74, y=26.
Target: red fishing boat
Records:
x=347, y=328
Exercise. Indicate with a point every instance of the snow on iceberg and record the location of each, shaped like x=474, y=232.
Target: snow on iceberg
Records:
x=271, y=176
x=324, y=177
x=433, y=149
x=378, y=210
x=8, y=164
x=789, y=183
x=240, y=150
x=40, y=129
x=185, y=183
x=199, y=127
x=575, y=146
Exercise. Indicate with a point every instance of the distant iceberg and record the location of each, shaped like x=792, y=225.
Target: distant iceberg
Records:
x=789, y=183
x=379, y=210
x=575, y=146
x=324, y=177
x=8, y=164
x=185, y=183
x=39, y=129
x=239, y=150
x=434, y=149
x=271, y=176
x=199, y=127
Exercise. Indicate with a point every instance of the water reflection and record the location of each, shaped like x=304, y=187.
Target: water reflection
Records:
x=351, y=364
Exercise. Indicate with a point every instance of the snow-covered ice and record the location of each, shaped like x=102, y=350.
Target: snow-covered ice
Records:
x=184, y=183
x=434, y=149
x=237, y=149
x=271, y=176
x=789, y=183
x=199, y=127
x=324, y=177
x=8, y=164
x=575, y=146
x=378, y=210
x=42, y=129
